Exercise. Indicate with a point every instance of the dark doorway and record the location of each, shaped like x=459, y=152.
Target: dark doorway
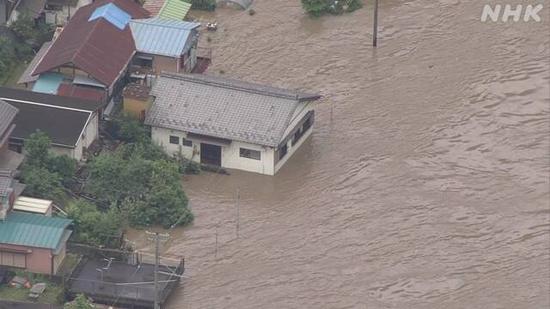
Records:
x=211, y=154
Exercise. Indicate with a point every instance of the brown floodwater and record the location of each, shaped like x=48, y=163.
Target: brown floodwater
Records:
x=424, y=185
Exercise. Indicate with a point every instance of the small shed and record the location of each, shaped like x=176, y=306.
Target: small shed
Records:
x=33, y=205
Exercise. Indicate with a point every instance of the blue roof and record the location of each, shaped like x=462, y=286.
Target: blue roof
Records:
x=113, y=14
x=162, y=37
x=32, y=230
x=48, y=83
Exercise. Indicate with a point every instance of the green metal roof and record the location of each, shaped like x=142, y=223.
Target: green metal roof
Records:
x=32, y=230
x=174, y=9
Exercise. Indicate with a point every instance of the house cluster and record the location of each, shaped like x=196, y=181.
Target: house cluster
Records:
x=145, y=60
x=30, y=238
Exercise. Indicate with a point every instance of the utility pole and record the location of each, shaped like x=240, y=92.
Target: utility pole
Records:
x=375, y=31
x=238, y=212
x=157, y=238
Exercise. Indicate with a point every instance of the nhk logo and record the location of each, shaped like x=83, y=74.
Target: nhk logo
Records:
x=506, y=13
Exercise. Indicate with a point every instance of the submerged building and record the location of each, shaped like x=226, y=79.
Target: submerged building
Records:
x=229, y=123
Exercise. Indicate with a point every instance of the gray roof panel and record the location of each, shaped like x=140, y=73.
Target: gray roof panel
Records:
x=223, y=108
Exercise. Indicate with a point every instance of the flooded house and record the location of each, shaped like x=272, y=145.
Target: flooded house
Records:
x=91, y=55
x=165, y=45
x=71, y=123
x=229, y=123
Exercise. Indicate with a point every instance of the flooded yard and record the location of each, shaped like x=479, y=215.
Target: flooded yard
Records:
x=424, y=185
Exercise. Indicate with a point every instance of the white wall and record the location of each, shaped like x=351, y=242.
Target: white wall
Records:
x=300, y=112
x=90, y=134
x=230, y=153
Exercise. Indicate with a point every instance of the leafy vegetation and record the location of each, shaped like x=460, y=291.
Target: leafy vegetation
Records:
x=140, y=181
x=207, y=5
x=94, y=227
x=80, y=302
x=30, y=31
x=321, y=7
x=43, y=172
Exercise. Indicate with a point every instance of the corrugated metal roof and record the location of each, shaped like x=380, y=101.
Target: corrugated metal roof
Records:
x=113, y=14
x=48, y=83
x=162, y=37
x=30, y=204
x=174, y=10
x=153, y=6
x=223, y=108
x=32, y=230
x=97, y=47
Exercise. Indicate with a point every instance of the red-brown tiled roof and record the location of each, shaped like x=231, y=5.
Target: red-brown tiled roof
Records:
x=97, y=47
x=153, y=6
x=83, y=92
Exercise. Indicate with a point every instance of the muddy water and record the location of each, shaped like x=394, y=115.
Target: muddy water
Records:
x=424, y=185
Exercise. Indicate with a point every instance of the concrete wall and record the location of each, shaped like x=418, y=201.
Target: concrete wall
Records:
x=38, y=260
x=162, y=63
x=60, y=17
x=134, y=107
x=91, y=133
x=230, y=153
x=297, y=117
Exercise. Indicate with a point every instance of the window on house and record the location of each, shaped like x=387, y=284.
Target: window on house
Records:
x=297, y=136
x=307, y=124
x=186, y=142
x=174, y=140
x=144, y=61
x=283, y=151
x=250, y=154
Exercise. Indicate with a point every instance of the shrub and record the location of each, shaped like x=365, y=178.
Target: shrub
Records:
x=42, y=183
x=207, y=5
x=92, y=226
x=320, y=7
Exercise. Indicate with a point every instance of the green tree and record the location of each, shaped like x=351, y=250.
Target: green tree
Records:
x=92, y=226
x=37, y=147
x=147, y=191
x=63, y=165
x=24, y=27
x=42, y=183
x=320, y=7
x=315, y=7
x=80, y=302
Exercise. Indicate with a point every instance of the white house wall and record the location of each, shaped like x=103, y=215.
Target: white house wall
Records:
x=230, y=153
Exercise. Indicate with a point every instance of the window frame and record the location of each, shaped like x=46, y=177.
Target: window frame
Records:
x=186, y=142
x=248, y=154
x=171, y=137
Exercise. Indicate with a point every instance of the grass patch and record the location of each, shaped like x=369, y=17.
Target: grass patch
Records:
x=69, y=264
x=52, y=295
x=13, y=76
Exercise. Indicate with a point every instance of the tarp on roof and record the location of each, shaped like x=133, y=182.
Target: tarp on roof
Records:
x=48, y=83
x=174, y=10
x=162, y=37
x=32, y=230
x=113, y=14
x=97, y=47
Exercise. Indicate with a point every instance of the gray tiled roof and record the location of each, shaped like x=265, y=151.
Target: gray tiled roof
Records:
x=223, y=108
x=7, y=114
x=6, y=181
